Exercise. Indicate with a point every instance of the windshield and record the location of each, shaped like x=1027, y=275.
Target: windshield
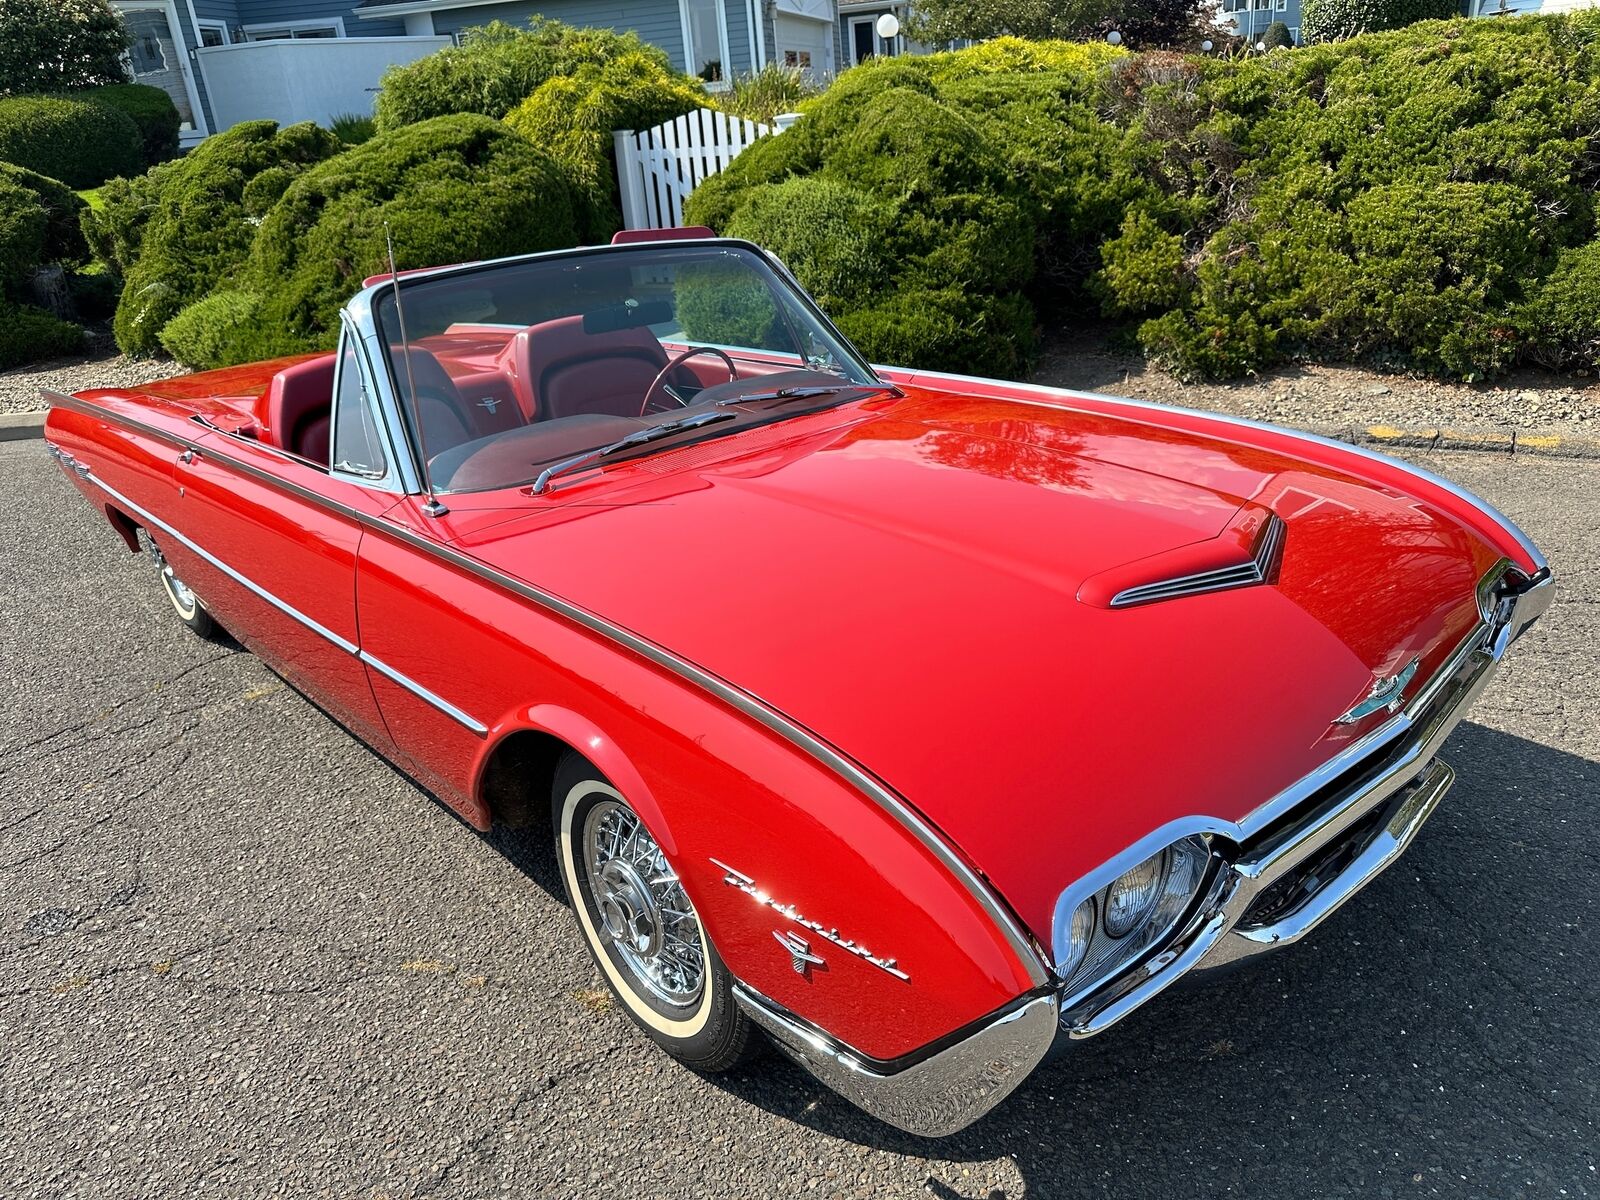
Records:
x=519, y=368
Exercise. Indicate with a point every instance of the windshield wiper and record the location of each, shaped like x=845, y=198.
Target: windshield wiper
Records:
x=816, y=389
x=642, y=437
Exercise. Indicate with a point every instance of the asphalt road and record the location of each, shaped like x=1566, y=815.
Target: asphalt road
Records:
x=240, y=956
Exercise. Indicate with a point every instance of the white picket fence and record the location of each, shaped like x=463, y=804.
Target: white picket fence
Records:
x=658, y=168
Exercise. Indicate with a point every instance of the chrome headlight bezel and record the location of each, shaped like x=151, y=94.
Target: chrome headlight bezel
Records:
x=1185, y=870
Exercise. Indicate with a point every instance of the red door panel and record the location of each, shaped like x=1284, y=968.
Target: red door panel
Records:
x=300, y=552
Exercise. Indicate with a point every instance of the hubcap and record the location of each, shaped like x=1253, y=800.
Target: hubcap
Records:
x=181, y=594
x=645, y=917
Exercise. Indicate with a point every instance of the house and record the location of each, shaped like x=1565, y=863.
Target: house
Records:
x=225, y=61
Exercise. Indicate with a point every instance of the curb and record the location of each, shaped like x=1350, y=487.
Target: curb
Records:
x=14, y=427
x=1555, y=445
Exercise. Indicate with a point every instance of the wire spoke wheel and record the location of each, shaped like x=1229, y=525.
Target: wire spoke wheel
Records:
x=643, y=915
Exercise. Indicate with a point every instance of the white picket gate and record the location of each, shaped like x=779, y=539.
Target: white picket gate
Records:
x=658, y=168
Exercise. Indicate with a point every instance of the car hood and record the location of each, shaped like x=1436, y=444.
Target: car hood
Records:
x=903, y=579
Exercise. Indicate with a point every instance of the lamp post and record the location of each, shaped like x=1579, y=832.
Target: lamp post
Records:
x=888, y=27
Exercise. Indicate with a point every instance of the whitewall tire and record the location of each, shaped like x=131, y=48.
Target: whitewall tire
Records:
x=182, y=598
x=639, y=925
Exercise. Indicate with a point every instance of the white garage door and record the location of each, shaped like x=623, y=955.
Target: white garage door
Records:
x=805, y=44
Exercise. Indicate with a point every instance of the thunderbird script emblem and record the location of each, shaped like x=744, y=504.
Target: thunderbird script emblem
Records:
x=1388, y=691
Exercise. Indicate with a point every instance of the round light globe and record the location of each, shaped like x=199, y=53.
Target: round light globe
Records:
x=1261, y=47
x=888, y=26
x=1114, y=38
x=1206, y=46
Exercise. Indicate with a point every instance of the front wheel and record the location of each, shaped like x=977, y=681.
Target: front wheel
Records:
x=184, y=602
x=640, y=927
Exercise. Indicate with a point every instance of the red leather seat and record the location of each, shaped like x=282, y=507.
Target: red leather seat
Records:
x=558, y=370
x=299, y=407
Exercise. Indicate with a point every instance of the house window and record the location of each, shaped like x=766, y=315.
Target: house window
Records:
x=1281, y=5
x=799, y=60
x=295, y=30
x=213, y=33
x=705, y=39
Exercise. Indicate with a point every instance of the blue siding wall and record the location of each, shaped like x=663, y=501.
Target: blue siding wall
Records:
x=218, y=10
x=270, y=12
x=659, y=22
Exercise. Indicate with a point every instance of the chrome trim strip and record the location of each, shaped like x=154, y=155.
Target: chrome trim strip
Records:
x=242, y=580
x=416, y=689
x=1506, y=523
x=289, y=610
x=885, y=798
x=1257, y=570
x=930, y=1095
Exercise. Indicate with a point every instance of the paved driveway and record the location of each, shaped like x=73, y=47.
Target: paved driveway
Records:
x=240, y=956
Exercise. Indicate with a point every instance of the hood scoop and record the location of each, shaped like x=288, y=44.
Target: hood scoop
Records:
x=1247, y=552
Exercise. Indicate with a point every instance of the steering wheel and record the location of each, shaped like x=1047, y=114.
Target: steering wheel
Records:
x=657, y=383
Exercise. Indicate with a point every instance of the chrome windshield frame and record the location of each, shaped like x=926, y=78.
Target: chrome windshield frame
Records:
x=361, y=314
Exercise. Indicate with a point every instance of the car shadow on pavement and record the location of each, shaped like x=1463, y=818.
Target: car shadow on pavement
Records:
x=1440, y=1029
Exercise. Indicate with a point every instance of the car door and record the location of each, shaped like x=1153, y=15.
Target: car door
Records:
x=281, y=533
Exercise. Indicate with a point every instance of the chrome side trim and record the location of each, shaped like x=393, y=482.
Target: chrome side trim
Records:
x=933, y=1095
x=1258, y=570
x=238, y=577
x=416, y=689
x=1061, y=394
x=1015, y=935
x=288, y=609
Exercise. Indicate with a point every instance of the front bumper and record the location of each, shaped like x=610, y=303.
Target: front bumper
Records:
x=1274, y=878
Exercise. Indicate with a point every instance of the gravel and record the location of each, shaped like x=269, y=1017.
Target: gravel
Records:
x=101, y=367
x=1530, y=402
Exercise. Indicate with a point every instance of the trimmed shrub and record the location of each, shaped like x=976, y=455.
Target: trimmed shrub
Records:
x=28, y=334
x=452, y=189
x=200, y=337
x=571, y=117
x=832, y=236
x=497, y=67
x=1277, y=37
x=81, y=143
x=948, y=329
x=1334, y=20
x=199, y=230
x=47, y=207
x=150, y=108
x=50, y=45
x=1561, y=320
x=1144, y=267
x=115, y=226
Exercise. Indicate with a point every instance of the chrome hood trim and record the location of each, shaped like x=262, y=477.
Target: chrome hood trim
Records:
x=1260, y=569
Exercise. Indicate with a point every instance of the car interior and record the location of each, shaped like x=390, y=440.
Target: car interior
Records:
x=580, y=359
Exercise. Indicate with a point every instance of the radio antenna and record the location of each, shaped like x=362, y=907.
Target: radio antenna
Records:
x=432, y=506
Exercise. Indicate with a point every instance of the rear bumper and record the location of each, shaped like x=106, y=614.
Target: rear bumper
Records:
x=1274, y=878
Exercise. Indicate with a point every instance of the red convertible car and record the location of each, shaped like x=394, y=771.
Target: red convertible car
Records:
x=912, y=721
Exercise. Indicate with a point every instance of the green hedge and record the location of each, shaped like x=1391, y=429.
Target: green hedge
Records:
x=150, y=108
x=572, y=118
x=28, y=334
x=1421, y=199
x=188, y=227
x=38, y=224
x=79, y=142
x=453, y=189
x=497, y=67
x=1333, y=20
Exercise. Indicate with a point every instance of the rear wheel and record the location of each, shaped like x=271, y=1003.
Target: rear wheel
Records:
x=184, y=602
x=640, y=927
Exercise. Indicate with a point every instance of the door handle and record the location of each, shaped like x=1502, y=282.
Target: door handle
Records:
x=187, y=456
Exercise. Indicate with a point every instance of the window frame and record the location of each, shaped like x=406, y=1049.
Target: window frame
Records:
x=689, y=48
x=350, y=340
x=203, y=24
x=252, y=33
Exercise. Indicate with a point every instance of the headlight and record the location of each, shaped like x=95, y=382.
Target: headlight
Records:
x=1133, y=894
x=1097, y=934
x=1079, y=934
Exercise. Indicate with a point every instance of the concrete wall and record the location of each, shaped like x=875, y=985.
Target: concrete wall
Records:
x=308, y=80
